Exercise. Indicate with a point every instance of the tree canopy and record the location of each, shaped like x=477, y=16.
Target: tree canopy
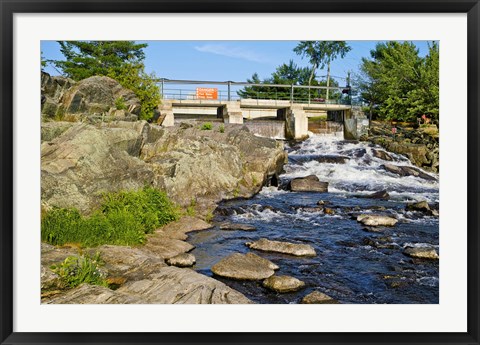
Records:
x=120, y=60
x=321, y=54
x=397, y=84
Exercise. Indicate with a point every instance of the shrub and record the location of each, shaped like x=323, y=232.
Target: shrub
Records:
x=206, y=126
x=221, y=128
x=120, y=103
x=84, y=269
x=124, y=218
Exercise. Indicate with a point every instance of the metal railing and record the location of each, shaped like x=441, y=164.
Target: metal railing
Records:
x=229, y=91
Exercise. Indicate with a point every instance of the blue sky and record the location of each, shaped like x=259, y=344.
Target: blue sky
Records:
x=231, y=60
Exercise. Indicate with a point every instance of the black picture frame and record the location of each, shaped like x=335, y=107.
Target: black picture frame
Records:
x=10, y=7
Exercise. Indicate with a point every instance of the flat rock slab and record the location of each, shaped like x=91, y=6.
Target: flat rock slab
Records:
x=179, y=229
x=167, y=247
x=308, y=184
x=182, y=260
x=405, y=170
x=376, y=220
x=317, y=297
x=127, y=262
x=383, y=194
x=419, y=206
x=244, y=267
x=282, y=247
x=237, y=226
x=173, y=285
x=283, y=284
x=92, y=294
x=382, y=155
x=421, y=253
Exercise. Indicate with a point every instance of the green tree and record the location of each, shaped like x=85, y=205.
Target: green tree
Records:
x=321, y=54
x=120, y=60
x=397, y=84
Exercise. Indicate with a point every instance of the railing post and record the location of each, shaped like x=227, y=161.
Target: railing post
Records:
x=228, y=96
x=162, y=86
x=291, y=95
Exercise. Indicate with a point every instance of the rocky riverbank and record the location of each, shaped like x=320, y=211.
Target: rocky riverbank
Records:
x=420, y=145
x=90, y=147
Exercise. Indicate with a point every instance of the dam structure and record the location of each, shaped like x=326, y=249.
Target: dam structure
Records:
x=287, y=108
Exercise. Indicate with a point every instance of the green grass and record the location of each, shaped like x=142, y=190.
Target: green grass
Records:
x=84, y=269
x=124, y=218
x=206, y=126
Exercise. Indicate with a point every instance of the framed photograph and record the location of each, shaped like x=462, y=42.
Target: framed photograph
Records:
x=234, y=172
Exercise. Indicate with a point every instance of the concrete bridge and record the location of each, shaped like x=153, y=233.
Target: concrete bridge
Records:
x=293, y=112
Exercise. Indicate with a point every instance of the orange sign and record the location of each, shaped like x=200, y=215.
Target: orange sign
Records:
x=207, y=93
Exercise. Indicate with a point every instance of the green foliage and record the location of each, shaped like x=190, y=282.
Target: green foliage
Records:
x=288, y=74
x=221, y=128
x=77, y=270
x=123, y=219
x=206, y=126
x=120, y=60
x=321, y=53
x=120, y=103
x=398, y=84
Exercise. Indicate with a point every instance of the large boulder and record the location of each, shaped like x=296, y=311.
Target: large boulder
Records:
x=85, y=160
x=296, y=249
x=309, y=183
x=244, y=267
x=170, y=285
x=96, y=98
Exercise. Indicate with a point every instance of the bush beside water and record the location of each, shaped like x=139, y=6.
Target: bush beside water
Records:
x=124, y=218
x=84, y=269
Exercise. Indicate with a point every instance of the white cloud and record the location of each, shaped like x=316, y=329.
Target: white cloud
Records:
x=234, y=52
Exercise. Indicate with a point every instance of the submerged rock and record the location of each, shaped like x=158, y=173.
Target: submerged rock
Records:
x=317, y=297
x=421, y=253
x=309, y=183
x=283, y=284
x=282, y=247
x=237, y=226
x=244, y=267
x=182, y=260
x=383, y=194
x=376, y=220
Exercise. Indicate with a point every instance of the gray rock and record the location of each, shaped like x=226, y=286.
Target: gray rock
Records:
x=85, y=161
x=421, y=253
x=282, y=247
x=182, y=260
x=382, y=155
x=405, y=170
x=419, y=206
x=167, y=247
x=179, y=229
x=92, y=294
x=283, y=284
x=244, y=267
x=383, y=194
x=50, y=280
x=308, y=184
x=317, y=297
x=376, y=220
x=237, y=226
x=173, y=285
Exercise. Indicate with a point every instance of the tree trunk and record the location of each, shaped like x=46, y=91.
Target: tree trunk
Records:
x=328, y=80
x=314, y=67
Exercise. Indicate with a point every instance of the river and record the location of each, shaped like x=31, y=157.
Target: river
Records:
x=353, y=264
